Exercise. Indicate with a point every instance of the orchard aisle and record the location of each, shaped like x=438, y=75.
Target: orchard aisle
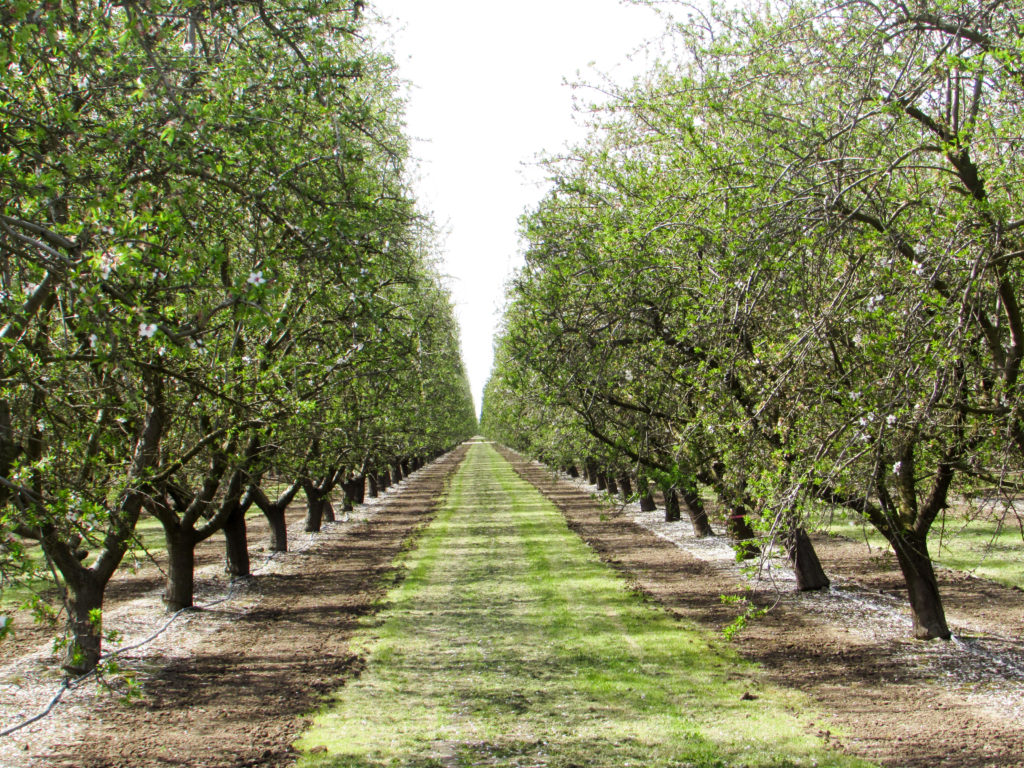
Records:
x=509, y=643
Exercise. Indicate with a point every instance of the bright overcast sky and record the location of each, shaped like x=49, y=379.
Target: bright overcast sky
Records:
x=488, y=95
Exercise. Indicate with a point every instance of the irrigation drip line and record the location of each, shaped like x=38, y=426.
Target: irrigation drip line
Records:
x=69, y=685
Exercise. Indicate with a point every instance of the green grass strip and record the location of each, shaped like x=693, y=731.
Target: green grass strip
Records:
x=510, y=644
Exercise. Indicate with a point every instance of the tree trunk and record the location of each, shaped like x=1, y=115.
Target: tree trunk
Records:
x=181, y=554
x=83, y=600
x=671, y=506
x=602, y=483
x=590, y=471
x=360, y=489
x=327, y=509
x=610, y=485
x=696, y=511
x=236, y=544
x=809, y=573
x=643, y=487
x=385, y=481
x=571, y=471
x=625, y=488
x=372, y=482
x=278, y=528
x=314, y=510
x=922, y=586
x=397, y=474
x=405, y=468
x=741, y=533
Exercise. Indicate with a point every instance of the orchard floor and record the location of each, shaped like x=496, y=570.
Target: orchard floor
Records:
x=234, y=689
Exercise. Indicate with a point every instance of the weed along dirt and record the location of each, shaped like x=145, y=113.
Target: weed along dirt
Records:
x=510, y=643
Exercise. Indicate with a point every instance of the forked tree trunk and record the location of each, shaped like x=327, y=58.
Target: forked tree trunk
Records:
x=926, y=609
x=697, y=513
x=809, y=573
x=671, y=506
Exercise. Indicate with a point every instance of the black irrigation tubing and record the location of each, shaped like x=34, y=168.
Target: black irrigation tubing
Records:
x=69, y=685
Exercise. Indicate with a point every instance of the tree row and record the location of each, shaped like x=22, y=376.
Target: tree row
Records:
x=216, y=290
x=784, y=273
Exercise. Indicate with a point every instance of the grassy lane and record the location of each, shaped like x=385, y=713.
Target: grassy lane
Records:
x=510, y=644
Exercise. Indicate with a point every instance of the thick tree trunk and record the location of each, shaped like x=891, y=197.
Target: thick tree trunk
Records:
x=671, y=506
x=397, y=474
x=385, y=479
x=590, y=471
x=373, y=490
x=602, y=482
x=236, y=545
x=922, y=586
x=610, y=484
x=696, y=511
x=625, y=488
x=647, y=501
x=809, y=573
x=359, y=483
x=327, y=509
x=181, y=554
x=406, y=471
x=84, y=603
x=571, y=471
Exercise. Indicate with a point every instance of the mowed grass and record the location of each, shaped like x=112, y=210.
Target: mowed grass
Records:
x=510, y=644
x=988, y=543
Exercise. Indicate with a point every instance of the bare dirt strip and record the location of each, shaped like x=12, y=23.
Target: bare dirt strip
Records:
x=238, y=696
x=899, y=702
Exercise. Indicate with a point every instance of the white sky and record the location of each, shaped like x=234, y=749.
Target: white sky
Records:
x=488, y=95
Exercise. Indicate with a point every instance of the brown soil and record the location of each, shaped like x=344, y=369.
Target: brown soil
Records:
x=236, y=693
x=883, y=693
x=239, y=697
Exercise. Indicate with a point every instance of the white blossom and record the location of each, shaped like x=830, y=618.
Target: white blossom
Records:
x=256, y=278
x=897, y=467
x=891, y=419
x=146, y=330
x=93, y=338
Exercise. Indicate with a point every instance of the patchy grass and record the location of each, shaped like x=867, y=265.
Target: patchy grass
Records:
x=986, y=542
x=510, y=644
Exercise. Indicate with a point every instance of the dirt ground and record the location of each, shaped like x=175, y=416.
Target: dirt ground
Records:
x=235, y=692
x=898, y=701
x=230, y=685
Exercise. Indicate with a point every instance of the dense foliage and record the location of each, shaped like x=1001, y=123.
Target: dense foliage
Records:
x=786, y=266
x=212, y=276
